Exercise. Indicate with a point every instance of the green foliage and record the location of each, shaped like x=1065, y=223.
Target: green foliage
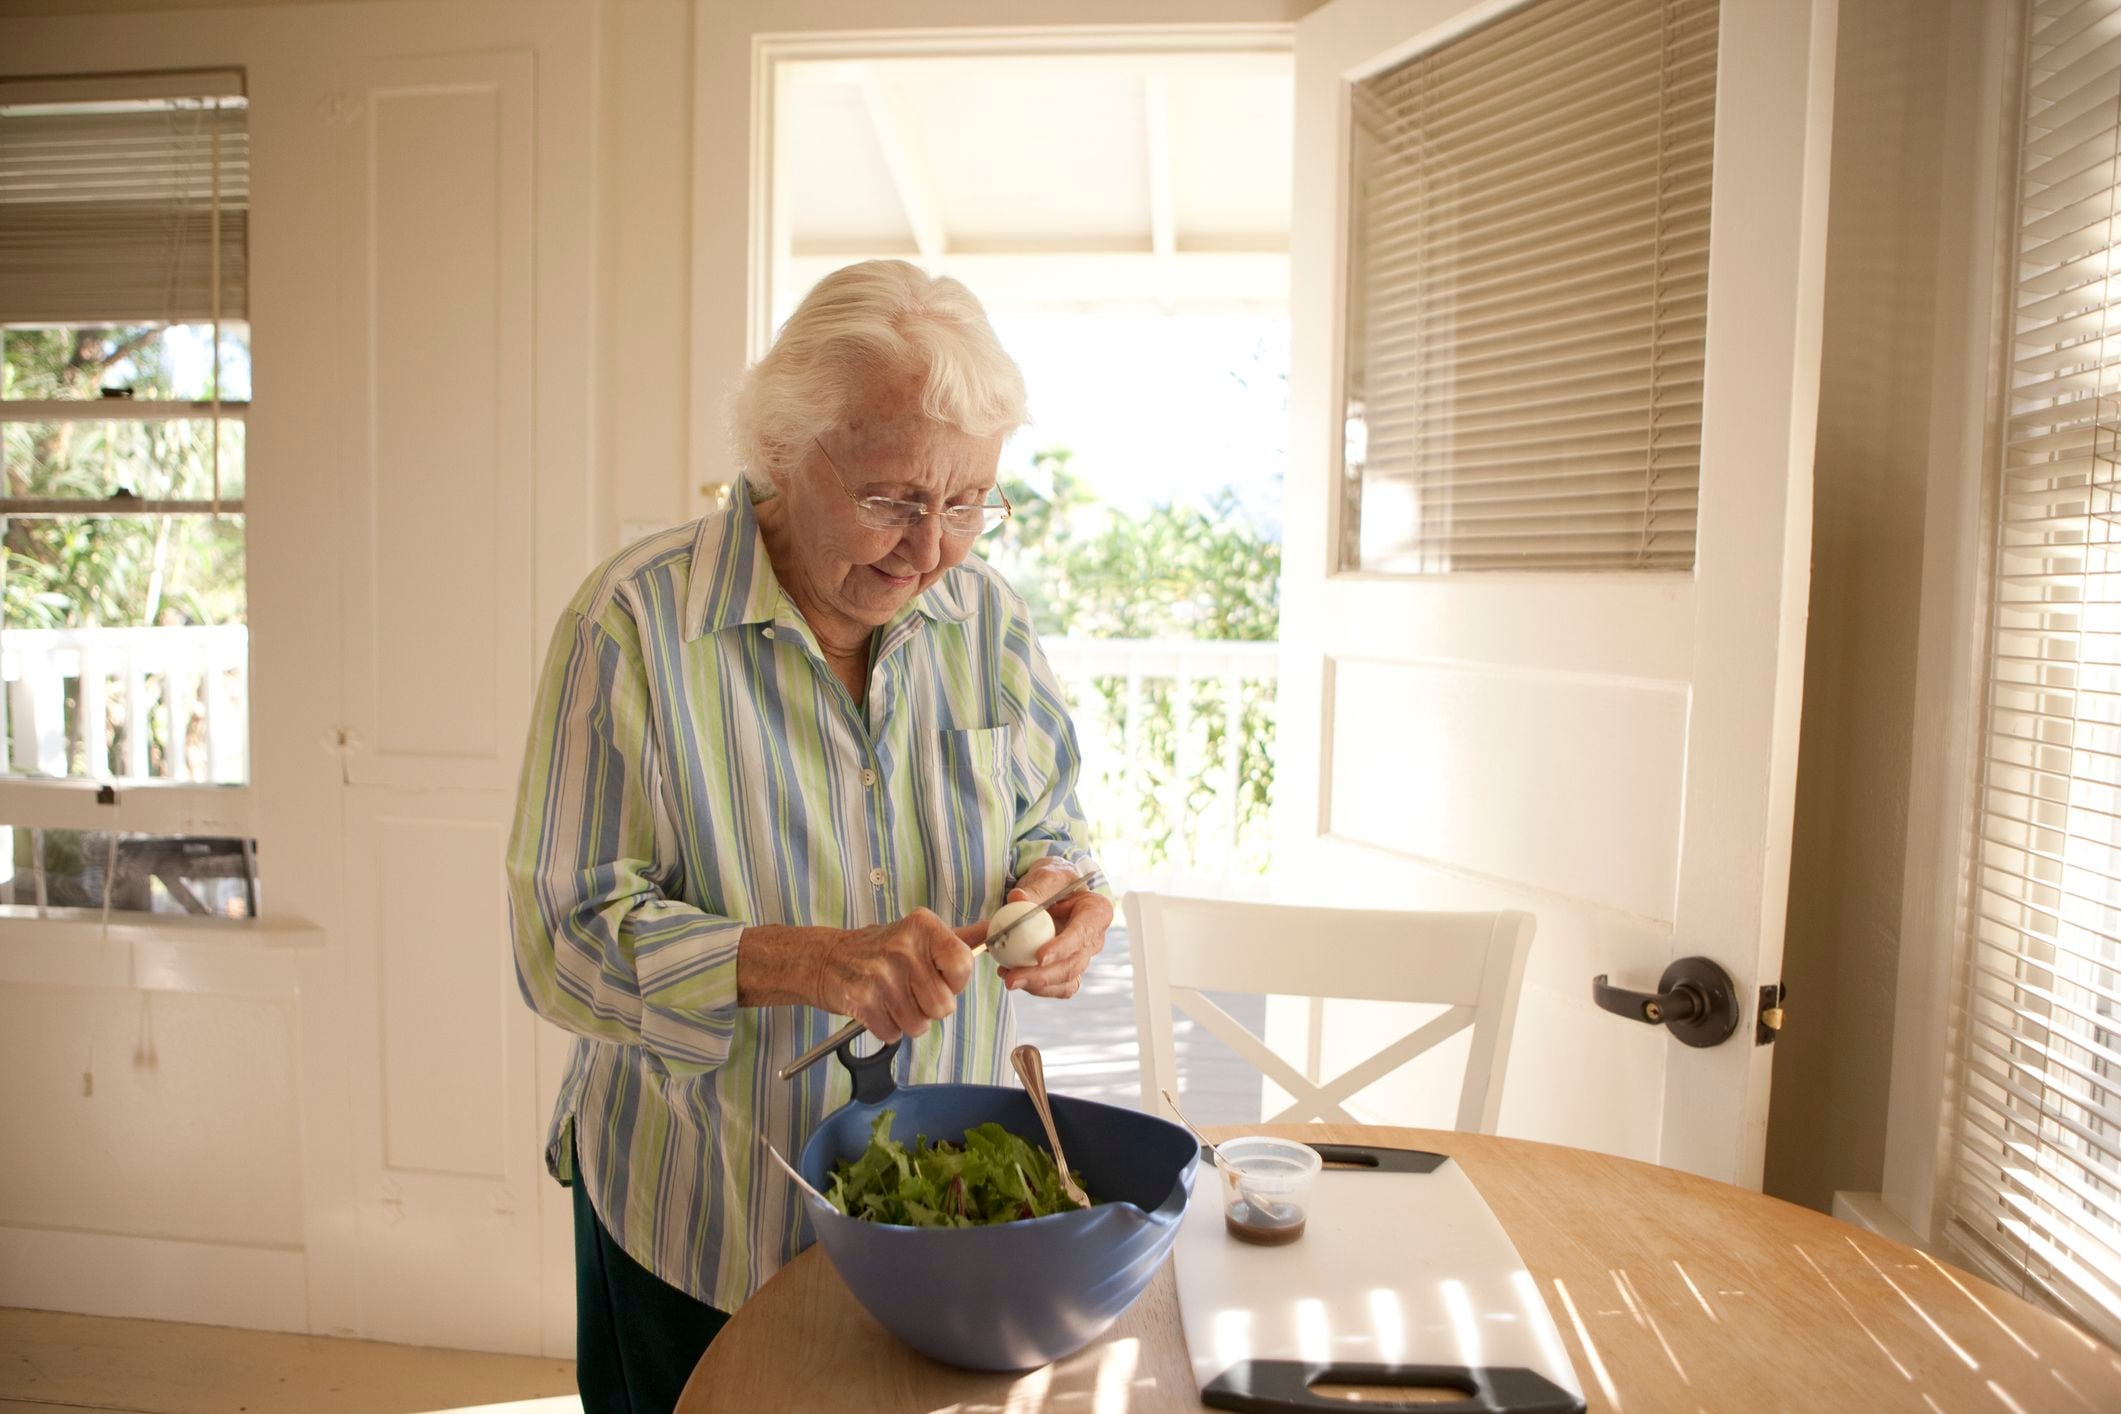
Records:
x=1184, y=767
x=1181, y=571
x=103, y=570
x=113, y=570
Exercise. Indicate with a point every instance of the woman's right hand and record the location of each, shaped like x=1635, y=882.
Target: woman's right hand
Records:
x=897, y=977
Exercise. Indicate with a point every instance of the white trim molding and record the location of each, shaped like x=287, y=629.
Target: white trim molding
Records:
x=735, y=56
x=154, y=1278
x=232, y=959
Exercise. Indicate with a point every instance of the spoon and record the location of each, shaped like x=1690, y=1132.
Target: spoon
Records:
x=1031, y=1069
x=1252, y=1200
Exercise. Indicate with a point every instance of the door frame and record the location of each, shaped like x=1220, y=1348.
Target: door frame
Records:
x=736, y=48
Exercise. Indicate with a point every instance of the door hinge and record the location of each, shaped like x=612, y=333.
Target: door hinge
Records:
x=1767, y=1025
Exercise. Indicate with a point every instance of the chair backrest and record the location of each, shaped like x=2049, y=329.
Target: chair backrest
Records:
x=1472, y=963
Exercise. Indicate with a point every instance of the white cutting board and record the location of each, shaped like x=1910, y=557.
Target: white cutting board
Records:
x=1395, y=1269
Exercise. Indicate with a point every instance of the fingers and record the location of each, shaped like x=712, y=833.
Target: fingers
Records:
x=1045, y=878
x=899, y=977
x=1062, y=962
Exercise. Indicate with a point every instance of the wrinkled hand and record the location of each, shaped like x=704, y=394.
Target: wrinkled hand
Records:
x=895, y=978
x=1079, y=924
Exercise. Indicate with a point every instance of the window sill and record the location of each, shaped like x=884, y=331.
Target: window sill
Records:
x=246, y=958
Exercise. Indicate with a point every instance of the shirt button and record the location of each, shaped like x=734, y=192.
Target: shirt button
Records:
x=868, y=776
x=769, y=631
x=876, y=876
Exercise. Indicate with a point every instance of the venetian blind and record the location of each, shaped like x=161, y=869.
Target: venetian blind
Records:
x=1528, y=291
x=116, y=197
x=2035, y=1197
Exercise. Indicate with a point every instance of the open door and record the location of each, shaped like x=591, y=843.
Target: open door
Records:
x=1556, y=290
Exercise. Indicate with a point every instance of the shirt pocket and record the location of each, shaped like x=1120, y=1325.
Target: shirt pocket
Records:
x=969, y=821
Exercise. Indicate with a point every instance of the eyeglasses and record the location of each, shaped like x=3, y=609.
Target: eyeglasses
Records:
x=883, y=513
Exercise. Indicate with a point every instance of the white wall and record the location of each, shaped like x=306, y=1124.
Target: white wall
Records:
x=1898, y=576
x=1826, y=1127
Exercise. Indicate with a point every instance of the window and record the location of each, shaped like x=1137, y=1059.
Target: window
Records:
x=2035, y=1194
x=1528, y=294
x=124, y=393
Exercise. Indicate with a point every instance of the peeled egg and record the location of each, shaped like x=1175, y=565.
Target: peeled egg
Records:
x=1020, y=948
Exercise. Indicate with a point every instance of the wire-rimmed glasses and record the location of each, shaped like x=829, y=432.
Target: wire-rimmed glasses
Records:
x=883, y=513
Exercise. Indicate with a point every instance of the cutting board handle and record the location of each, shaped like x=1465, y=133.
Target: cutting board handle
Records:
x=1368, y=1156
x=1272, y=1386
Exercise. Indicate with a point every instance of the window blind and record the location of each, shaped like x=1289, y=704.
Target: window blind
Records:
x=1528, y=291
x=116, y=197
x=2035, y=1197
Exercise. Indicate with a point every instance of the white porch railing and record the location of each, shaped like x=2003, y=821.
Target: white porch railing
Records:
x=186, y=690
x=1177, y=734
x=1177, y=738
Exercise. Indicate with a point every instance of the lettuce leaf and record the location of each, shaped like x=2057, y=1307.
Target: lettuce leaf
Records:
x=991, y=1176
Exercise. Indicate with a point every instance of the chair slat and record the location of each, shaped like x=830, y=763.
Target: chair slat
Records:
x=1471, y=962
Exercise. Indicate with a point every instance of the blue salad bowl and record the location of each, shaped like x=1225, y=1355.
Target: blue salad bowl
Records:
x=1016, y=1295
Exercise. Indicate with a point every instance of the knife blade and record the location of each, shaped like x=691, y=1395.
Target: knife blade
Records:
x=853, y=1029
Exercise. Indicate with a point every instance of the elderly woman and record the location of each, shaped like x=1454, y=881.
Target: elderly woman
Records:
x=783, y=762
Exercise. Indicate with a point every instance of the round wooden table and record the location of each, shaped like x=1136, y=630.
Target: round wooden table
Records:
x=1671, y=1292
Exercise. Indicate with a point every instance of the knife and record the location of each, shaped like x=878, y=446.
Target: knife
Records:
x=853, y=1029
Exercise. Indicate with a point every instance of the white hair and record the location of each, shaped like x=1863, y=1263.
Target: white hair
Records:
x=864, y=328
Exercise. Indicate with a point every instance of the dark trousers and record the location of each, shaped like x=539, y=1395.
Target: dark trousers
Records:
x=636, y=1336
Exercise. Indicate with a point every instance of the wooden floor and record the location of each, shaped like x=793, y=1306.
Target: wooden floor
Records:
x=51, y=1362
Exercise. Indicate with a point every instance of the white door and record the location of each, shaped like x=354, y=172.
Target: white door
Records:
x=1613, y=749
x=458, y=525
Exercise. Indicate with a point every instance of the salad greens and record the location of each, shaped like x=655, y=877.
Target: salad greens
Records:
x=992, y=1176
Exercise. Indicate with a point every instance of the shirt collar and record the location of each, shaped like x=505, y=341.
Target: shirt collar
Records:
x=733, y=581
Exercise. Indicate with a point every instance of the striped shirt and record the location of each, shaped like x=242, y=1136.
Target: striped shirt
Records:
x=694, y=768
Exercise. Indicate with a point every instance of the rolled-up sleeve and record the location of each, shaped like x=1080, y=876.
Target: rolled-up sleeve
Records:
x=602, y=946
x=1049, y=820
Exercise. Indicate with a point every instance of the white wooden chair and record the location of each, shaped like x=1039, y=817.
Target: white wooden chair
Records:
x=1471, y=962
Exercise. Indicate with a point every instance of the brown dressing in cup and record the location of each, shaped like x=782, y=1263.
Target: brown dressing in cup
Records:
x=1269, y=1225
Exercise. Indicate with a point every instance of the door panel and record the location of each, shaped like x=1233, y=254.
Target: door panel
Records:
x=436, y=266
x=446, y=991
x=444, y=1096
x=1614, y=750
x=1501, y=769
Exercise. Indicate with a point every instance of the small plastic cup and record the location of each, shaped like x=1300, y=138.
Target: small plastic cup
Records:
x=1265, y=1183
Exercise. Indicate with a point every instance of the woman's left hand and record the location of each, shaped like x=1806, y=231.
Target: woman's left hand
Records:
x=1079, y=924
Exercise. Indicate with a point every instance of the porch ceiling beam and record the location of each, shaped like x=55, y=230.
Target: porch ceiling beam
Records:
x=1163, y=223
x=890, y=122
x=1195, y=280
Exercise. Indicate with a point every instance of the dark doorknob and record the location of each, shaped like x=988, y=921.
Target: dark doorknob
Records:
x=1694, y=998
